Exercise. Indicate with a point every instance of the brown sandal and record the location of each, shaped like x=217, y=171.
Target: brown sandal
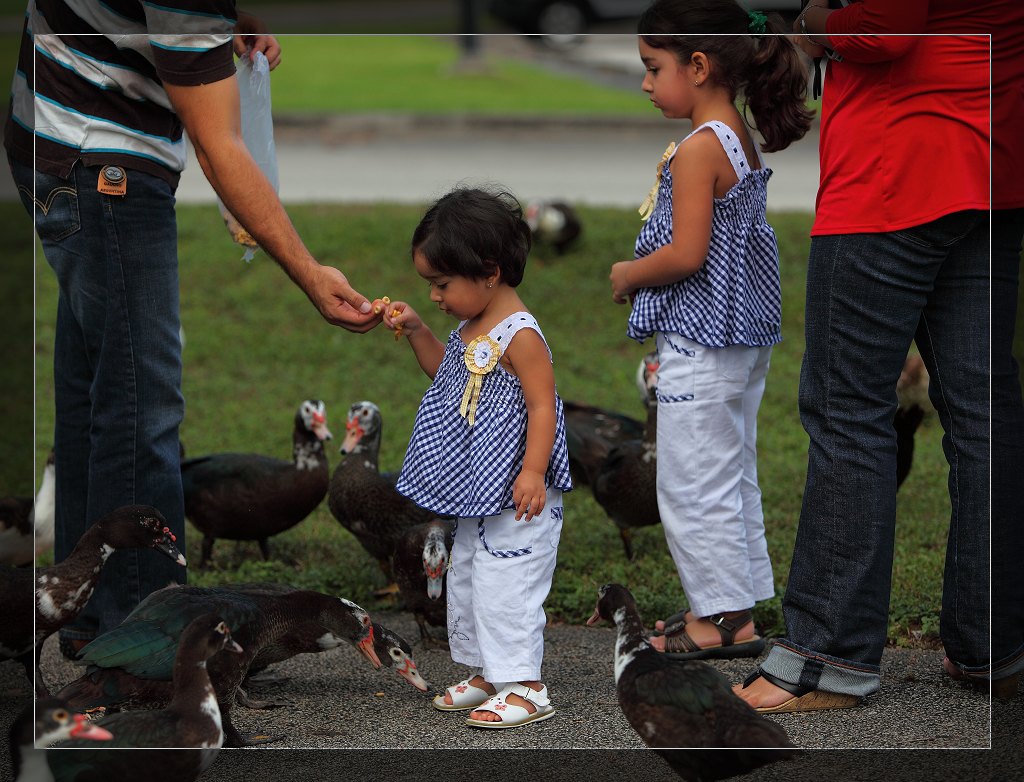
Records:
x=1003, y=689
x=680, y=646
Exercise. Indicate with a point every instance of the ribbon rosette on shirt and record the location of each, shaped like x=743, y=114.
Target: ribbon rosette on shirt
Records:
x=482, y=356
x=647, y=207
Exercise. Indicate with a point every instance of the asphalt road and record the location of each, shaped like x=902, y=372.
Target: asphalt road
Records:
x=343, y=713
x=409, y=159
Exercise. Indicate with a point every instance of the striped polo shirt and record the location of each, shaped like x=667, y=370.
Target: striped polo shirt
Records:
x=90, y=75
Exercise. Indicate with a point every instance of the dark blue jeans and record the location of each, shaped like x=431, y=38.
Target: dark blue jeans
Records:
x=1007, y=451
x=117, y=370
x=868, y=297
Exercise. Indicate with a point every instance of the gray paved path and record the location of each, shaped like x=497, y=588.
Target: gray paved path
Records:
x=404, y=159
x=342, y=705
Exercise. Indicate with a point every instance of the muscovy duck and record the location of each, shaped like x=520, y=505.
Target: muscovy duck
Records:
x=912, y=394
x=591, y=433
x=420, y=563
x=553, y=222
x=625, y=484
x=362, y=500
x=248, y=496
x=26, y=524
x=673, y=704
x=392, y=650
x=647, y=376
x=53, y=721
x=133, y=662
x=176, y=743
x=62, y=590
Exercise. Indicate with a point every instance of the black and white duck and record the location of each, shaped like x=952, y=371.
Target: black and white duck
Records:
x=249, y=496
x=647, y=376
x=53, y=721
x=62, y=590
x=133, y=663
x=26, y=523
x=420, y=562
x=553, y=222
x=178, y=742
x=684, y=703
x=625, y=484
x=362, y=500
x=395, y=652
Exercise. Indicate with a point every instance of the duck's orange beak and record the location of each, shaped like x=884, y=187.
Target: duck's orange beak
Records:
x=353, y=434
x=84, y=729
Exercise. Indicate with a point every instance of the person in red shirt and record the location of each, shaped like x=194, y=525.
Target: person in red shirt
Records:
x=899, y=254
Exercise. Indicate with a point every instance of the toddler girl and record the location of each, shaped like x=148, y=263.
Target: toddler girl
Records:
x=488, y=446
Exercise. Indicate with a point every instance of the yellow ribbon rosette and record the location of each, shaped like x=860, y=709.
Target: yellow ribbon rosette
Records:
x=647, y=207
x=481, y=357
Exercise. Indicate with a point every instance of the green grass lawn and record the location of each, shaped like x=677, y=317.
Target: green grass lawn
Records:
x=255, y=348
x=418, y=74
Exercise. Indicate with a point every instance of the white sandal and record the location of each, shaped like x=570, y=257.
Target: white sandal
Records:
x=512, y=716
x=464, y=696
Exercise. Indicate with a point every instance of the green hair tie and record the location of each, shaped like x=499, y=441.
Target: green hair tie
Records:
x=757, y=21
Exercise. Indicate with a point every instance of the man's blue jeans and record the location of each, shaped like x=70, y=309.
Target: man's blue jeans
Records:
x=117, y=370
x=868, y=297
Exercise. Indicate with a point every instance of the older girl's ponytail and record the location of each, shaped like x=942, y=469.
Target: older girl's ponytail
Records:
x=776, y=89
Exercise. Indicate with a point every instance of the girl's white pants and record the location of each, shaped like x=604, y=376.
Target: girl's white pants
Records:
x=499, y=575
x=708, y=497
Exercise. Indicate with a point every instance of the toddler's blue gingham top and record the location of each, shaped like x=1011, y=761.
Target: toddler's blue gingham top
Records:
x=452, y=468
x=735, y=298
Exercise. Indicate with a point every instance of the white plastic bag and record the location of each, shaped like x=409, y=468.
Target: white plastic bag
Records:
x=258, y=133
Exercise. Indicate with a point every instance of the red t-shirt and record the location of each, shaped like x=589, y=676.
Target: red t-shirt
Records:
x=905, y=119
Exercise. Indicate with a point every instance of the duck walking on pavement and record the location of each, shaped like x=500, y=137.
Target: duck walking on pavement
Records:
x=362, y=500
x=133, y=663
x=62, y=590
x=248, y=496
x=684, y=703
x=176, y=743
x=392, y=650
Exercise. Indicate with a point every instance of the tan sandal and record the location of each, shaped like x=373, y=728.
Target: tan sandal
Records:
x=804, y=698
x=680, y=646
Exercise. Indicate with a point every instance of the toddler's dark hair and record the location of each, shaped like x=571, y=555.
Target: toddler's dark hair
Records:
x=766, y=69
x=470, y=232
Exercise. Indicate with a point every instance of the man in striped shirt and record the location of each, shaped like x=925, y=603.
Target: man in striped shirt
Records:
x=102, y=95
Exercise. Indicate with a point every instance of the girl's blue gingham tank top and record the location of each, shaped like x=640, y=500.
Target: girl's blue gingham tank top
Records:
x=735, y=298
x=457, y=469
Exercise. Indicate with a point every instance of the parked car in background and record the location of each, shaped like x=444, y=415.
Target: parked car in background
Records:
x=563, y=22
